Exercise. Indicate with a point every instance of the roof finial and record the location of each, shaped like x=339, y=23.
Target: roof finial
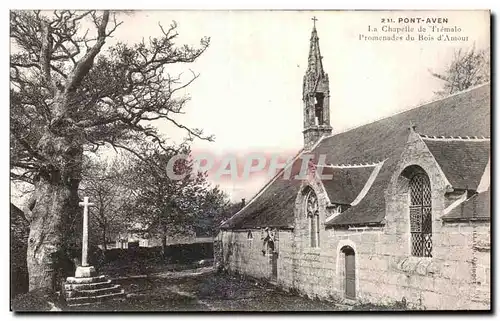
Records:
x=314, y=21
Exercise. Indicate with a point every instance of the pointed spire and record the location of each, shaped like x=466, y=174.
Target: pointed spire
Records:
x=315, y=95
x=314, y=64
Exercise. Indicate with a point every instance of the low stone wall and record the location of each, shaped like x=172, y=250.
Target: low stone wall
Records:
x=176, y=253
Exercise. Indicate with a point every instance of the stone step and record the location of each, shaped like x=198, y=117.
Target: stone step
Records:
x=84, y=300
x=343, y=307
x=86, y=286
x=93, y=279
x=114, y=288
x=110, y=289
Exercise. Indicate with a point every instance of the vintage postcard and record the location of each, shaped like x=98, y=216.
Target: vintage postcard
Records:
x=250, y=160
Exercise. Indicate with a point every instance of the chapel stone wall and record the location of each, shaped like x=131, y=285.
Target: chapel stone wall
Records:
x=457, y=276
x=245, y=255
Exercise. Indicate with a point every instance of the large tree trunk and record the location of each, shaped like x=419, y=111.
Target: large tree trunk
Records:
x=52, y=221
x=46, y=242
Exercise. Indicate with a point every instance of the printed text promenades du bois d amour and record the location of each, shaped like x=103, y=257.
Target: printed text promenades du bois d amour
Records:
x=413, y=29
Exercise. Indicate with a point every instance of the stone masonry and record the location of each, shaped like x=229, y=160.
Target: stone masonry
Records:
x=457, y=276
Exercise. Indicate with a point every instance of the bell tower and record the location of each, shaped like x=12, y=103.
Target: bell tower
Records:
x=315, y=95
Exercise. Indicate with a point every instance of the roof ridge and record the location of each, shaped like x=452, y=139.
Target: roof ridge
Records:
x=455, y=138
x=411, y=108
x=438, y=165
x=360, y=165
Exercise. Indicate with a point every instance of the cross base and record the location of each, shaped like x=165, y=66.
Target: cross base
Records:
x=85, y=272
x=88, y=288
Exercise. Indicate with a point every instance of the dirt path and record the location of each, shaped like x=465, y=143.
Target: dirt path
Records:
x=204, y=290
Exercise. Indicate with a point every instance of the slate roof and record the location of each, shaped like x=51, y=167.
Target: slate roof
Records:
x=477, y=207
x=462, y=161
x=273, y=208
x=463, y=114
x=346, y=183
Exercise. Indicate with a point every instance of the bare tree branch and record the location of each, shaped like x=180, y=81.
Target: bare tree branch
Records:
x=467, y=69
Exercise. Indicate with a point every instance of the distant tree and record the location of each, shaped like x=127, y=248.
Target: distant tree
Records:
x=105, y=182
x=467, y=69
x=69, y=94
x=166, y=206
x=214, y=210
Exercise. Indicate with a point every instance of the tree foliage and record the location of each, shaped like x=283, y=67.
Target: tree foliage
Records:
x=139, y=194
x=215, y=209
x=64, y=81
x=105, y=182
x=71, y=95
x=467, y=69
x=161, y=204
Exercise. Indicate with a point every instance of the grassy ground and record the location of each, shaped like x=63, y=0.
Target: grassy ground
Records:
x=197, y=287
x=204, y=290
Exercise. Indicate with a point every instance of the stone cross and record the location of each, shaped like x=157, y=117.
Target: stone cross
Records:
x=85, y=241
x=314, y=20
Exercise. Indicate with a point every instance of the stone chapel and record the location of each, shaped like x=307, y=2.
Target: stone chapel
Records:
x=405, y=217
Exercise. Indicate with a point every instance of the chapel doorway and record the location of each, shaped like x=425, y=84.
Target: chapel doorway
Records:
x=274, y=263
x=273, y=259
x=350, y=273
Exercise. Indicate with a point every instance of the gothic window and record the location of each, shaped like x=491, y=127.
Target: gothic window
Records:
x=312, y=210
x=250, y=235
x=420, y=215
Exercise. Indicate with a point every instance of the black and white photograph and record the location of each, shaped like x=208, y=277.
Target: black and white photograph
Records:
x=250, y=160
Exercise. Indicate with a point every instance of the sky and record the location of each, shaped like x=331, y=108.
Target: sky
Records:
x=249, y=92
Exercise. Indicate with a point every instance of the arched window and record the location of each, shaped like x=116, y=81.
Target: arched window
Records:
x=312, y=210
x=420, y=215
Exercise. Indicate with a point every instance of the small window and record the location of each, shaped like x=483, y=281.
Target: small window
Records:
x=318, y=107
x=249, y=235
